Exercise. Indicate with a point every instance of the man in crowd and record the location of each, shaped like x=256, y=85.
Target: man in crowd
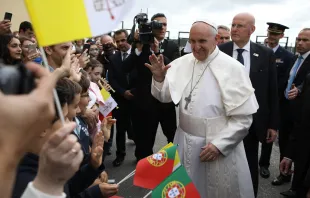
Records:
x=156, y=111
x=224, y=33
x=212, y=122
x=283, y=63
x=25, y=29
x=108, y=49
x=120, y=81
x=259, y=63
x=297, y=146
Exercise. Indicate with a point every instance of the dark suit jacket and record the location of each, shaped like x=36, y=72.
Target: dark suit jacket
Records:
x=263, y=76
x=291, y=105
x=143, y=81
x=284, y=60
x=299, y=148
x=301, y=73
x=300, y=106
x=118, y=78
x=170, y=49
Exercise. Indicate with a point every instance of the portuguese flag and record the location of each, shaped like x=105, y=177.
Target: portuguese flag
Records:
x=152, y=170
x=177, y=185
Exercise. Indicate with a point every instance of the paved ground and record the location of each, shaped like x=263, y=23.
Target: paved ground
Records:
x=127, y=190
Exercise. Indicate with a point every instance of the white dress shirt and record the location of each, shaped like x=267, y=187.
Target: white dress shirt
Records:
x=275, y=48
x=245, y=54
x=128, y=53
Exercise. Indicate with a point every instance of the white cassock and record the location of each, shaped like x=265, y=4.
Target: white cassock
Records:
x=220, y=113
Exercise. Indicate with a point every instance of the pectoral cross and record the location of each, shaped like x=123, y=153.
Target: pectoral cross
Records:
x=188, y=100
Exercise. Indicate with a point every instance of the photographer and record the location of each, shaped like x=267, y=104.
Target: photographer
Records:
x=149, y=40
x=108, y=49
x=167, y=48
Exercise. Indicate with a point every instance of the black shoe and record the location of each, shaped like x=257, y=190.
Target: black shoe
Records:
x=290, y=193
x=264, y=172
x=118, y=161
x=281, y=179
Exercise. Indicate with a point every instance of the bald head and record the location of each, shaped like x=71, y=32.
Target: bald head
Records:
x=246, y=17
x=106, y=39
x=243, y=26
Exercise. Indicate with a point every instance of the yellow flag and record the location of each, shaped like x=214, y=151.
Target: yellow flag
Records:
x=105, y=94
x=58, y=21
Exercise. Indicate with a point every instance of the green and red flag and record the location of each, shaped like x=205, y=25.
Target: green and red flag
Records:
x=152, y=170
x=177, y=185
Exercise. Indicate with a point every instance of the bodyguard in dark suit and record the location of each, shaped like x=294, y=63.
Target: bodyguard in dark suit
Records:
x=119, y=80
x=297, y=148
x=295, y=77
x=259, y=61
x=283, y=63
x=151, y=111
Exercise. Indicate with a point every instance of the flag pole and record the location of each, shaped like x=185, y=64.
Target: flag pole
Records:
x=127, y=177
x=147, y=194
x=58, y=106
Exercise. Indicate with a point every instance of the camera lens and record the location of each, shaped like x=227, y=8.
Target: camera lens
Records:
x=157, y=25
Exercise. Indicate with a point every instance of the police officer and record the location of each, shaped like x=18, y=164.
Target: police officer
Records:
x=283, y=62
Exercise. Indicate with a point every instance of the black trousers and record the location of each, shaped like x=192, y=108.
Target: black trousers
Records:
x=123, y=125
x=264, y=160
x=287, y=121
x=149, y=118
x=251, y=143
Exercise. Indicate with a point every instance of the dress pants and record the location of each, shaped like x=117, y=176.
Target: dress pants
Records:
x=251, y=143
x=149, y=118
x=123, y=125
x=266, y=151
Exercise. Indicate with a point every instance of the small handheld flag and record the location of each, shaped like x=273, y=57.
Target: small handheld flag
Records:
x=178, y=184
x=154, y=169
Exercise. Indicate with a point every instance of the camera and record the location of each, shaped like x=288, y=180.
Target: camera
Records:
x=146, y=28
x=16, y=79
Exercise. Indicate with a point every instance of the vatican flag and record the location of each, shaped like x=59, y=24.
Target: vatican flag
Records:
x=58, y=21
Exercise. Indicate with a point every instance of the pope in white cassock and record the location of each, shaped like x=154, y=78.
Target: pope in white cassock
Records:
x=217, y=101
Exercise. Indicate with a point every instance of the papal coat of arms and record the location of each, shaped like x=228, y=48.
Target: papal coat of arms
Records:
x=108, y=5
x=158, y=159
x=174, y=189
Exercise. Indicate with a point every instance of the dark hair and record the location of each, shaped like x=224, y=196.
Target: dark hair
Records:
x=118, y=32
x=4, y=50
x=15, y=33
x=93, y=63
x=26, y=25
x=22, y=39
x=84, y=82
x=157, y=15
x=66, y=91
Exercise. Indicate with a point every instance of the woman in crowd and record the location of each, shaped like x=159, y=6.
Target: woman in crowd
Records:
x=10, y=49
x=29, y=50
